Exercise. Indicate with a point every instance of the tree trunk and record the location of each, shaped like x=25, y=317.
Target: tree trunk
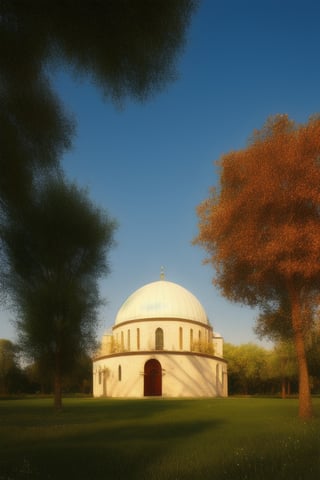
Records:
x=283, y=388
x=57, y=384
x=305, y=405
x=288, y=387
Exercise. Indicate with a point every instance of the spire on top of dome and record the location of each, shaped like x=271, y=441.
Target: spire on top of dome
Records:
x=162, y=273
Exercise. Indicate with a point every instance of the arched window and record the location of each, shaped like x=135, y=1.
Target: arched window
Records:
x=138, y=338
x=180, y=338
x=119, y=373
x=191, y=339
x=159, y=339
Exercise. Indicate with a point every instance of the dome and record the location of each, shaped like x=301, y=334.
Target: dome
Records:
x=161, y=299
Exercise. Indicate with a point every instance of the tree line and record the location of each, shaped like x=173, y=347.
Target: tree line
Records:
x=252, y=370
x=19, y=378
x=255, y=370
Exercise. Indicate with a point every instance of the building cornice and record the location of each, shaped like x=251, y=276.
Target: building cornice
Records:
x=154, y=353
x=142, y=320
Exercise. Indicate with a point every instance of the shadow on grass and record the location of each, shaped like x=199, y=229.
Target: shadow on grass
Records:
x=117, y=452
x=40, y=411
x=157, y=439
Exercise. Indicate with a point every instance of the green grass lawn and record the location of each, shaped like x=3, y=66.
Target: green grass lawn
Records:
x=158, y=439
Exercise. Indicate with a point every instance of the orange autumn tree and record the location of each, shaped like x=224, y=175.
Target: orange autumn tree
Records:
x=261, y=227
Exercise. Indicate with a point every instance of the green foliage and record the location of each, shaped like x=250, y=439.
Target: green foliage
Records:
x=284, y=361
x=9, y=368
x=203, y=346
x=225, y=439
x=78, y=381
x=247, y=368
x=274, y=321
x=313, y=354
x=56, y=253
x=52, y=240
x=255, y=370
x=127, y=48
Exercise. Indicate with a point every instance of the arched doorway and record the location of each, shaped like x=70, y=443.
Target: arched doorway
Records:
x=152, y=378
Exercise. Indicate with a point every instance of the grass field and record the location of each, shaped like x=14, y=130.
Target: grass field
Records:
x=158, y=439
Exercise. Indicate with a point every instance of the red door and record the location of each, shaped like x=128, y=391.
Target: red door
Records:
x=152, y=378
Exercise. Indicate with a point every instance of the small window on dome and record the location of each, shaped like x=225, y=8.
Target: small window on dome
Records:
x=119, y=373
x=180, y=338
x=191, y=339
x=138, y=338
x=159, y=339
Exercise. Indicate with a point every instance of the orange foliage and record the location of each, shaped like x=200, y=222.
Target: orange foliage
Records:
x=265, y=218
x=261, y=228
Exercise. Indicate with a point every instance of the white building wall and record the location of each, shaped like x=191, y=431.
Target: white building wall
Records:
x=218, y=346
x=189, y=375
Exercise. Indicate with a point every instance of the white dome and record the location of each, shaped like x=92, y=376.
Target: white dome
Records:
x=161, y=299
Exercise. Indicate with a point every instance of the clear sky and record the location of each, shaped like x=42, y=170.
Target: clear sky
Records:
x=151, y=164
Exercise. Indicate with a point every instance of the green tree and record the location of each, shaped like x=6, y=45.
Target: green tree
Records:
x=313, y=353
x=37, y=378
x=274, y=320
x=128, y=48
x=284, y=367
x=80, y=380
x=56, y=253
x=274, y=323
x=247, y=367
x=261, y=227
x=8, y=365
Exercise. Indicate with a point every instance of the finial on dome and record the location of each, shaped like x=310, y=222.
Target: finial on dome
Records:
x=162, y=273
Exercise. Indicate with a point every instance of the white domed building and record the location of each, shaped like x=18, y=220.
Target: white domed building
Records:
x=161, y=344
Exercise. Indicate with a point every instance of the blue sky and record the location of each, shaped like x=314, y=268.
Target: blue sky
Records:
x=151, y=164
